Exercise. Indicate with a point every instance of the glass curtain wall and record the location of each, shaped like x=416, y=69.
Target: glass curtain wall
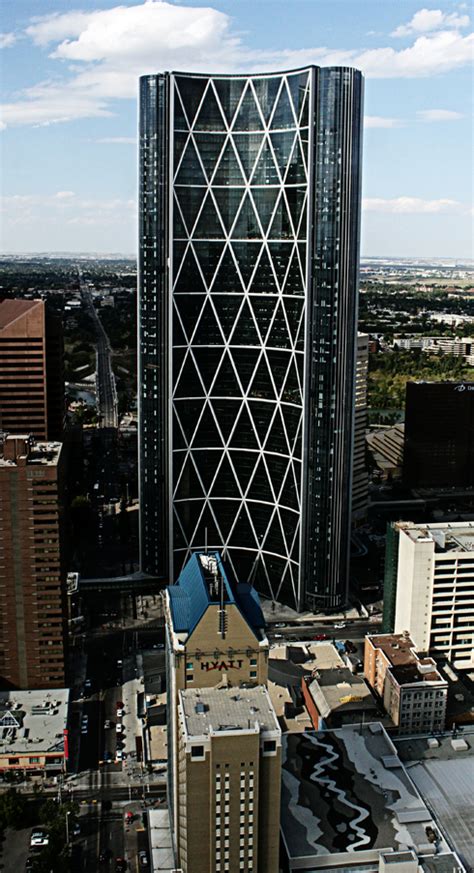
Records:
x=258, y=288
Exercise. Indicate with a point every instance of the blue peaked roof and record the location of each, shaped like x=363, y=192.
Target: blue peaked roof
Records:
x=190, y=596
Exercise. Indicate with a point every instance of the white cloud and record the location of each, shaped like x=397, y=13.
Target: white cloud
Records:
x=380, y=121
x=118, y=140
x=110, y=48
x=46, y=103
x=439, y=115
x=7, y=39
x=427, y=20
x=64, y=195
x=411, y=205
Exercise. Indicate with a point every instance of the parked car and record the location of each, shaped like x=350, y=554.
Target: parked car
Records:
x=321, y=637
x=119, y=704
x=119, y=755
x=119, y=728
x=143, y=859
x=120, y=865
x=350, y=647
x=120, y=713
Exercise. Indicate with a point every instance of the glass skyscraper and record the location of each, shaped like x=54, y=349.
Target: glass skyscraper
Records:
x=249, y=247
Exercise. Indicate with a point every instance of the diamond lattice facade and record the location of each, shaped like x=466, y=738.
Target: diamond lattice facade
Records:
x=249, y=238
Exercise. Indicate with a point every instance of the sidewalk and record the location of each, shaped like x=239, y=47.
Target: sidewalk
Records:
x=131, y=723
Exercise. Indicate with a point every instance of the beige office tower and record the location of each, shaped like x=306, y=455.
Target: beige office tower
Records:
x=228, y=767
x=360, y=478
x=429, y=587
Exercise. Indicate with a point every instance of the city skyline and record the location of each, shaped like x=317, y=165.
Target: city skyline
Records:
x=69, y=143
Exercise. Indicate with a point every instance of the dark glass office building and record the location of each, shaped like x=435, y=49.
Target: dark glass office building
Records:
x=249, y=248
x=439, y=435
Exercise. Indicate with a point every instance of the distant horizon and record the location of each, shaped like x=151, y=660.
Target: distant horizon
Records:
x=127, y=256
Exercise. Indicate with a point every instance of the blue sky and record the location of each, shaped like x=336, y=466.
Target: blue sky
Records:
x=70, y=69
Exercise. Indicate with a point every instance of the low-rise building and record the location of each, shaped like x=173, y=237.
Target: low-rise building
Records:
x=33, y=731
x=413, y=692
x=349, y=806
x=386, y=447
x=335, y=697
x=228, y=795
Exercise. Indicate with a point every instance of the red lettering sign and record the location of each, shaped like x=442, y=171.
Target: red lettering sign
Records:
x=221, y=665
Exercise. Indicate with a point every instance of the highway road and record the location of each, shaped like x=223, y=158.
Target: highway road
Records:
x=105, y=379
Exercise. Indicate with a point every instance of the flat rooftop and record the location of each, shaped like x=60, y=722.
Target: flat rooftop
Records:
x=339, y=689
x=407, y=667
x=33, y=722
x=445, y=778
x=346, y=791
x=38, y=453
x=209, y=710
x=160, y=840
x=448, y=537
x=12, y=309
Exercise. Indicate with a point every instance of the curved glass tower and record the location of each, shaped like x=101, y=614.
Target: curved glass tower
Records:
x=249, y=246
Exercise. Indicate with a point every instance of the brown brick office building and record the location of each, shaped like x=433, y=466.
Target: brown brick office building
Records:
x=32, y=615
x=31, y=370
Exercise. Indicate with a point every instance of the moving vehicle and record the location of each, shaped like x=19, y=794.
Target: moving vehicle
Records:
x=84, y=723
x=119, y=755
x=320, y=637
x=107, y=724
x=143, y=859
x=339, y=625
x=39, y=837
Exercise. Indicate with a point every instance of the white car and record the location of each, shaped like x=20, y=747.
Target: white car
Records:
x=119, y=728
x=339, y=625
x=119, y=713
x=39, y=838
x=119, y=755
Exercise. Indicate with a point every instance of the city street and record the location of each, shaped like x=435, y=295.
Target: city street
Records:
x=106, y=388
x=106, y=787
